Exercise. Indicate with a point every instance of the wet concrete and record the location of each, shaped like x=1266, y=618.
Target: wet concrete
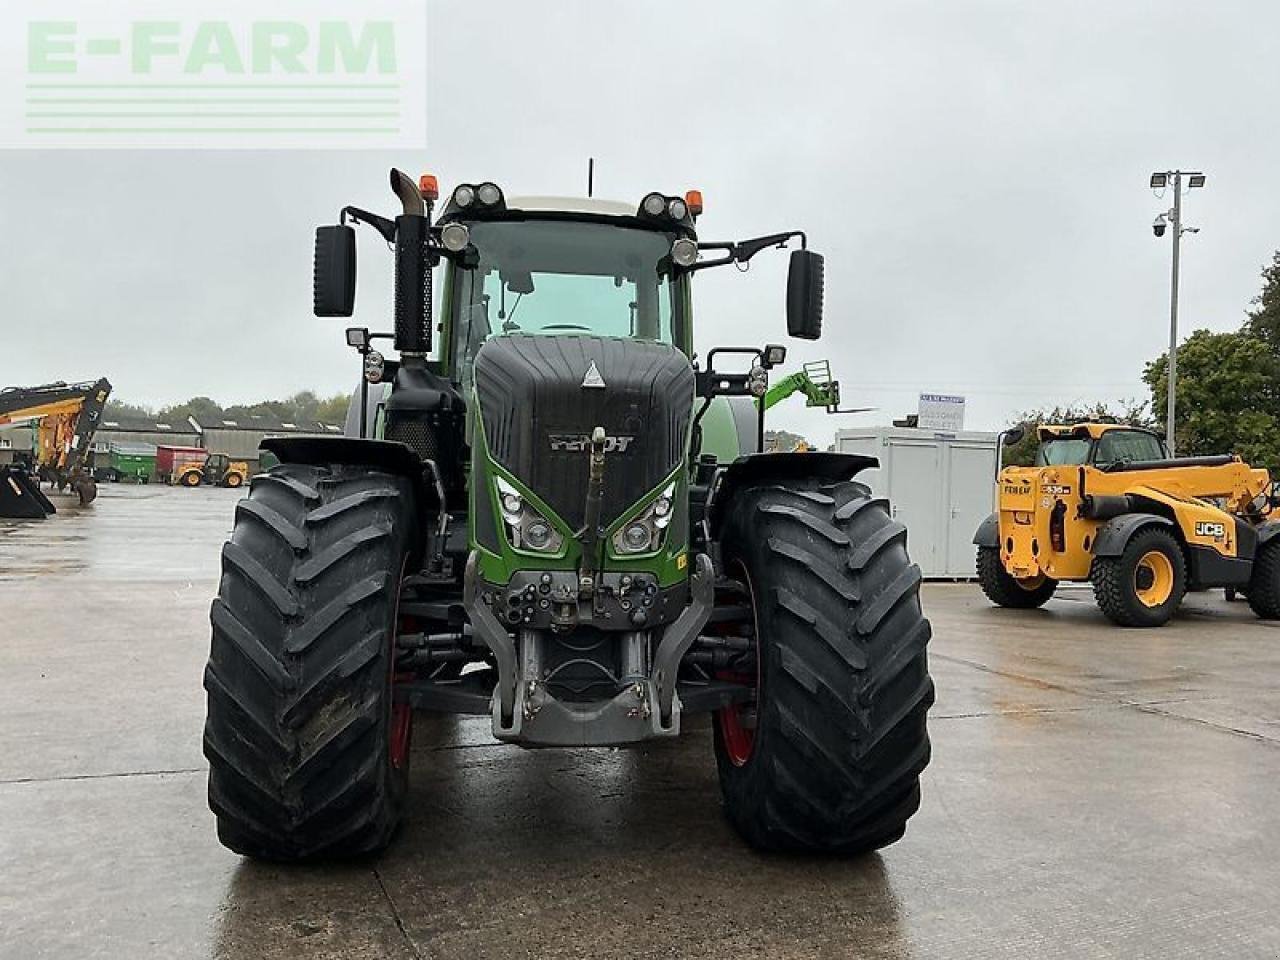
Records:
x=1094, y=793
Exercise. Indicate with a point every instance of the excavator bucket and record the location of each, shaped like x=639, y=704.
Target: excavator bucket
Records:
x=21, y=497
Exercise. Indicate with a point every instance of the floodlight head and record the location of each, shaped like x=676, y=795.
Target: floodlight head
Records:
x=1195, y=180
x=1159, y=181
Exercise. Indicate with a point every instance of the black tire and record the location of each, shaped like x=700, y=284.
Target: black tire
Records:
x=1116, y=580
x=300, y=724
x=1006, y=591
x=840, y=737
x=1264, y=582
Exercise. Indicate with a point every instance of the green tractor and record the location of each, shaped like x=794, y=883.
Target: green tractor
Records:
x=556, y=517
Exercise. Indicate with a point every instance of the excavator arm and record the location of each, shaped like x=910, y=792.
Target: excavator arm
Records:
x=66, y=417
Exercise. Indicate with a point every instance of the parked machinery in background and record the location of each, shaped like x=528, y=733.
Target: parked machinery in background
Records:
x=1106, y=504
x=66, y=416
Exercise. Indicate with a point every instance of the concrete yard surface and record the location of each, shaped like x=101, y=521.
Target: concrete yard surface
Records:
x=1095, y=792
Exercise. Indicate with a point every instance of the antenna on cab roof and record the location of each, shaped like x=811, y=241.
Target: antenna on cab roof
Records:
x=591, y=175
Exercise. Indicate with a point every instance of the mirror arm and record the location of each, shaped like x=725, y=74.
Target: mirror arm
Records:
x=744, y=250
x=384, y=226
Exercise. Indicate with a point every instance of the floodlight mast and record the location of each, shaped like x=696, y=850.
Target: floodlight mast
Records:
x=1160, y=180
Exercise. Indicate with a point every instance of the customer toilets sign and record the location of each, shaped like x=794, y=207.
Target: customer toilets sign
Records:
x=941, y=412
x=203, y=74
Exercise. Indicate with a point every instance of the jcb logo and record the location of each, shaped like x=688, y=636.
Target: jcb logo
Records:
x=576, y=443
x=1206, y=529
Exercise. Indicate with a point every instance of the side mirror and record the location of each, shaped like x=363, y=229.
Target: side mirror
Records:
x=804, y=295
x=334, y=275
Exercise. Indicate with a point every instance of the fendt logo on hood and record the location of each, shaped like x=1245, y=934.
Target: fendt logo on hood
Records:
x=579, y=442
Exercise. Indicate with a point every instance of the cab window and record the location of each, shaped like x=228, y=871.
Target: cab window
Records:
x=1063, y=451
x=1126, y=446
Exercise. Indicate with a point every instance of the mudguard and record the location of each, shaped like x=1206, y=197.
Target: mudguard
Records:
x=1268, y=532
x=1115, y=534
x=757, y=468
x=988, y=534
x=379, y=454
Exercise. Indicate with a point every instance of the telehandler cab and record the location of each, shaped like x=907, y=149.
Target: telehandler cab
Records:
x=557, y=518
x=1104, y=503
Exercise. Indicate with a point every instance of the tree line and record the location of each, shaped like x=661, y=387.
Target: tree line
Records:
x=1228, y=390
x=302, y=406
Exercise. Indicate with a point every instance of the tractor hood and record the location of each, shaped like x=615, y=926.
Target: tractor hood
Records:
x=540, y=397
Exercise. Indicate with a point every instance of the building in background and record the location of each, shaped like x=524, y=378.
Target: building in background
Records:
x=239, y=437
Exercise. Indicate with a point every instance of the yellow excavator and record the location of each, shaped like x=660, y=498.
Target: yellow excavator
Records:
x=66, y=416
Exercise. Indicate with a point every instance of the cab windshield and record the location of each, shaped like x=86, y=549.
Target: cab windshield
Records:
x=564, y=277
x=1064, y=451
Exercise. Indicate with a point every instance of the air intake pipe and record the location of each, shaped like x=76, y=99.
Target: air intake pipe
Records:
x=414, y=261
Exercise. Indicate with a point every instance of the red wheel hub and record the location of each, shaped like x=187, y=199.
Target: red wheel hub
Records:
x=737, y=721
x=739, y=738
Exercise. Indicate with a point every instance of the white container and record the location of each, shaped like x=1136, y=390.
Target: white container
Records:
x=940, y=485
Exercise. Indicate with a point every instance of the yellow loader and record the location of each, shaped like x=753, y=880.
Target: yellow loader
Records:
x=1106, y=504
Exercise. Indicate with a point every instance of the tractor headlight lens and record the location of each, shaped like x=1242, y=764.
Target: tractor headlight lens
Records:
x=538, y=534
x=684, y=252
x=527, y=529
x=464, y=196
x=636, y=537
x=759, y=382
x=374, y=365
x=643, y=534
x=654, y=204
x=677, y=209
x=488, y=194
x=454, y=237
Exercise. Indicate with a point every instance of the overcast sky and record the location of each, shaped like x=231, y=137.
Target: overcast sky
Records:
x=974, y=172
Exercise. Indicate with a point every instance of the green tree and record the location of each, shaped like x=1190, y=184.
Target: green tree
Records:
x=1264, y=318
x=198, y=407
x=1228, y=388
x=1023, y=453
x=122, y=408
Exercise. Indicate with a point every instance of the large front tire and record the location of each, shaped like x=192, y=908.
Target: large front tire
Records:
x=833, y=758
x=1007, y=591
x=1263, y=593
x=1143, y=586
x=308, y=755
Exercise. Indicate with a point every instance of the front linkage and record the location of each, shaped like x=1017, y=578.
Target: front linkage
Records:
x=562, y=523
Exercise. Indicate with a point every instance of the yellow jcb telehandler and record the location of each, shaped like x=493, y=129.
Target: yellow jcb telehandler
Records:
x=1105, y=503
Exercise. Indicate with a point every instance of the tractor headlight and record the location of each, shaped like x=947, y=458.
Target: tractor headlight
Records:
x=643, y=533
x=454, y=237
x=677, y=209
x=488, y=194
x=464, y=196
x=654, y=204
x=374, y=366
x=684, y=252
x=758, y=382
x=527, y=529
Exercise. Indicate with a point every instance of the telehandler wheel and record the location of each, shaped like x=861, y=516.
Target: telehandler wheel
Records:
x=233, y=480
x=1264, y=582
x=1006, y=591
x=191, y=479
x=308, y=754
x=1144, y=585
x=828, y=756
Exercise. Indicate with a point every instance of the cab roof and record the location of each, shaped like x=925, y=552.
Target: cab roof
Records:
x=1091, y=430
x=591, y=205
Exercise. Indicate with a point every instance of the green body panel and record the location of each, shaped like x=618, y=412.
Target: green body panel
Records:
x=669, y=563
x=719, y=431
